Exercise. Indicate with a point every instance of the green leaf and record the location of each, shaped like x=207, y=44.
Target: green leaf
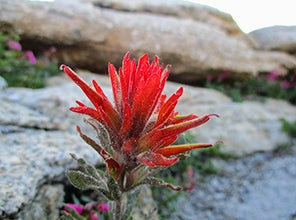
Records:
x=102, y=133
x=84, y=181
x=72, y=215
x=81, y=180
x=159, y=182
x=89, y=169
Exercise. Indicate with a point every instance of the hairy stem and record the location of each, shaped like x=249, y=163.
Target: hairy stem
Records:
x=117, y=209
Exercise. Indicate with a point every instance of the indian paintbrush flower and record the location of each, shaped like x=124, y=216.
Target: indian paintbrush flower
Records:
x=136, y=132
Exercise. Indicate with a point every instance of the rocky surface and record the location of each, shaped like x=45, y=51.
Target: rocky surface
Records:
x=45, y=204
x=179, y=9
x=91, y=34
x=244, y=128
x=3, y=83
x=260, y=186
x=37, y=135
x=278, y=38
x=31, y=158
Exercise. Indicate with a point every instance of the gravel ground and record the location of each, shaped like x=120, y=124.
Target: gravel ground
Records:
x=258, y=187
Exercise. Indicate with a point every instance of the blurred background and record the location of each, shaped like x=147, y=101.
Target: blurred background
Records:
x=252, y=15
x=233, y=58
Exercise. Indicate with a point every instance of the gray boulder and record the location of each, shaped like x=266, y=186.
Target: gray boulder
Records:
x=89, y=35
x=3, y=83
x=277, y=38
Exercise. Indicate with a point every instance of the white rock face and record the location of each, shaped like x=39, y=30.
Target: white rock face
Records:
x=280, y=38
x=195, y=39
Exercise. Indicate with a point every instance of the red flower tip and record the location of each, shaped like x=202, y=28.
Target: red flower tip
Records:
x=177, y=149
x=215, y=115
x=62, y=67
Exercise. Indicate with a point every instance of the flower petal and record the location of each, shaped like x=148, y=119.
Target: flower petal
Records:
x=168, y=107
x=128, y=145
x=113, y=167
x=127, y=120
x=89, y=92
x=116, y=87
x=177, y=149
x=148, y=140
x=154, y=159
x=97, y=100
x=98, y=115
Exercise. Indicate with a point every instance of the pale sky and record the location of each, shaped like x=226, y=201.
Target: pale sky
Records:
x=255, y=14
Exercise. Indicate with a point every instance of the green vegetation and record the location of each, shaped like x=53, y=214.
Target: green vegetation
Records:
x=271, y=85
x=21, y=68
x=289, y=128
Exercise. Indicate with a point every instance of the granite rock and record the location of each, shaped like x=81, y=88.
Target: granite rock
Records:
x=88, y=35
x=276, y=38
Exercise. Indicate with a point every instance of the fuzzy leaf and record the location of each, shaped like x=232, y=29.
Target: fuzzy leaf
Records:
x=89, y=141
x=82, y=180
x=102, y=133
x=159, y=182
x=88, y=168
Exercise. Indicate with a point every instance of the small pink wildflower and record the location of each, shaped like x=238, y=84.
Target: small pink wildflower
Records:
x=48, y=54
x=223, y=75
x=210, y=78
x=190, y=178
x=103, y=207
x=51, y=50
x=29, y=55
x=77, y=208
x=13, y=45
x=93, y=216
x=286, y=85
x=272, y=76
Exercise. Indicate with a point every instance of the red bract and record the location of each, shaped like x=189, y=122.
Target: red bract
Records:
x=136, y=132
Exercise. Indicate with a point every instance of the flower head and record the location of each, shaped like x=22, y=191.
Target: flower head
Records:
x=286, y=84
x=272, y=76
x=103, y=207
x=93, y=216
x=13, y=45
x=136, y=131
x=29, y=55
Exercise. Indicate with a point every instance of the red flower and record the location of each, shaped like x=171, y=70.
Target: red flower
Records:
x=138, y=129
